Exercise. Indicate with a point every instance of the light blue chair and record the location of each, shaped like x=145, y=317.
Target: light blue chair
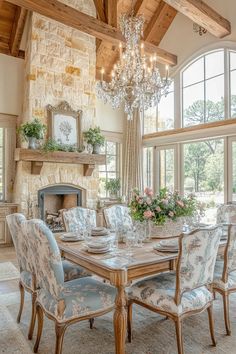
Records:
x=27, y=277
x=64, y=303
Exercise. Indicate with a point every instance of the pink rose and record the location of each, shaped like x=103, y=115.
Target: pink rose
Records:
x=148, y=192
x=148, y=214
x=148, y=201
x=171, y=214
x=158, y=209
x=140, y=201
x=180, y=203
x=137, y=198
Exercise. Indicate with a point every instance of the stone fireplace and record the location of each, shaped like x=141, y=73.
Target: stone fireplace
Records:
x=53, y=200
x=60, y=65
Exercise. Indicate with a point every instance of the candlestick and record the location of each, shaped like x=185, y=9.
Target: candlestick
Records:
x=102, y=73
x=167, y=71
x=142, y=48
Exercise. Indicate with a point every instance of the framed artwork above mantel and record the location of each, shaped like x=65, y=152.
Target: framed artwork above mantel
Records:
x=64, y=124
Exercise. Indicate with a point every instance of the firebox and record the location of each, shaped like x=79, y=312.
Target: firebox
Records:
x=53, y=200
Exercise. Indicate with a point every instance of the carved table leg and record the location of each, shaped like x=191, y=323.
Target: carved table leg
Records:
x=120, y=320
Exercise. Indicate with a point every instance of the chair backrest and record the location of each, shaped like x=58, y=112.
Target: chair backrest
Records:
x=230, y=253
x=46, y=257
x=14, y=222
x=196, y=261
x=226, y=213
x=118, y=215
x=78, y=218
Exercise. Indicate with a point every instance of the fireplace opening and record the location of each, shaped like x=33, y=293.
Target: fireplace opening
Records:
x=53, y=200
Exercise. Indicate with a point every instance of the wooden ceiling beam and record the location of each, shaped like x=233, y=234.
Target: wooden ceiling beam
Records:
x=100, y=10
x=17, y=31
x=1, y=2
x=71, y=17
x=111, y=12
x=159, y=24
x=204, y=15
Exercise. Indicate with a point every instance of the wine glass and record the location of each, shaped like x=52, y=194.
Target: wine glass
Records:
x=130, y=240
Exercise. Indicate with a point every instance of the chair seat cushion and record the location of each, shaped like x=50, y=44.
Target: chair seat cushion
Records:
x=26, y=279
x=159, y=292
x=218, y=282
x=73, y=271
x=82, y=297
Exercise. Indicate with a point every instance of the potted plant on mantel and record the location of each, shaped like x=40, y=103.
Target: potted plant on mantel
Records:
x=32, y=132
x=94, y=137
x=113, y=187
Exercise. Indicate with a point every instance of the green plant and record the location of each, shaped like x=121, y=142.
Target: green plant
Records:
x=34, y=129
x=113, y=186
x=94, y=137
x=52, y=145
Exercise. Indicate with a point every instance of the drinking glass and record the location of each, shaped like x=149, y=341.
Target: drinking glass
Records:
x=115, y=244
x=130, y=240
x=140, y=234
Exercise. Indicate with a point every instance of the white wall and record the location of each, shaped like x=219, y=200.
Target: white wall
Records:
x=182, y=41
x=107, y=118
x=11, y=84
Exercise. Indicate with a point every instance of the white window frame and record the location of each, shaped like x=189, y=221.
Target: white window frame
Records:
x=157, y=180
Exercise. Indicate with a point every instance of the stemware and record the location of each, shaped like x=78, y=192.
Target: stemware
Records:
x=130, y=241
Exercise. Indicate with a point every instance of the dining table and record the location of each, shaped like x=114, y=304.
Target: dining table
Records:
x=121, y=270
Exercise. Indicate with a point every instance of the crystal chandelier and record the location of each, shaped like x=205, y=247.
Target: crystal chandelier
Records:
x=135, y=78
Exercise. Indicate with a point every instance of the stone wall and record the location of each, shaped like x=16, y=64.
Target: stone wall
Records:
x=60, y=65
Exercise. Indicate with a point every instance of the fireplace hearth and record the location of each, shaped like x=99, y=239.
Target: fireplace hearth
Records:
x=53, y=200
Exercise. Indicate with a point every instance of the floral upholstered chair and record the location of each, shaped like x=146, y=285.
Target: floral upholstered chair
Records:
x=184, y=292
x=79, y=219
x=225, y=274
x=118, y=215
x=27, y=278
x=226, y=214
x=64, y=303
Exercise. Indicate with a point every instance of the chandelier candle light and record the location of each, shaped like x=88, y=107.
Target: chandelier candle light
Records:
x=135, y=78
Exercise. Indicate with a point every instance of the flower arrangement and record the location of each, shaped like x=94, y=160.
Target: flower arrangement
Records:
x=162, y=207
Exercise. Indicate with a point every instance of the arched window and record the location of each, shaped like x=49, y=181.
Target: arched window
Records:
x=203, y=89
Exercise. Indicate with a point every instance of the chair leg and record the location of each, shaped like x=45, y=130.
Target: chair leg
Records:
x=129, y=324
x=39, y=313
x=226, y=314
x=33, y=316
x=179, y=336
x=60, y=331
x=211, y=325
x=91, y=323
x=22, y=298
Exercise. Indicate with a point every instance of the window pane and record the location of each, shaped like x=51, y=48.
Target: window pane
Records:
x=111, y=148
x=234, y=170
x=148, y=167
x=193, y=105
x=233, y=93
x=215, y=99
x=232, y=60
x=166, y=112
x=167, y=169
x=111, y=163
x=204, y=174
x=194, y=73
x=150, y=120
x=214, y=64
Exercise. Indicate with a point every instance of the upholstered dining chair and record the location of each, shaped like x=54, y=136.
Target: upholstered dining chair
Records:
x=27, y=277
x=118, y=215
x=78, y=218
x=64, y=303
x=186, y=291
x=224, y=281
x=226, y=214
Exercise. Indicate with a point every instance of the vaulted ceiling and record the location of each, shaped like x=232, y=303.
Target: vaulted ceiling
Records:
x=158, y=14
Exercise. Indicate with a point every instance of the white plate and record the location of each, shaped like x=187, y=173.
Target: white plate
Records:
x=97, y=245
x=99, y=229
x=158, y=247
x=98, y=251
x=169, y=244
x=72, y=239
x=70, y=235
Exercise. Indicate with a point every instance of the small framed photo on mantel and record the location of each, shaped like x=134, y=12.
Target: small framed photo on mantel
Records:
x=64, y=124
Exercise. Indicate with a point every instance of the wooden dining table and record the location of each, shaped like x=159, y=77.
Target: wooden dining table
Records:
x=121, y=270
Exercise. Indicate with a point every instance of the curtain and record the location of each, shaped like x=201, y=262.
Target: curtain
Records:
x=132, y=155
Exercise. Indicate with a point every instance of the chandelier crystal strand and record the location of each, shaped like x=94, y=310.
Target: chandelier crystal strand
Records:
x=135, y=79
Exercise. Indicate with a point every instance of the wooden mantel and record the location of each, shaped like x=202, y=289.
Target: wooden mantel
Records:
x=38, y=157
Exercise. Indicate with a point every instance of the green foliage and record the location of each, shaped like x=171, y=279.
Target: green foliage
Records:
x=52, y=145
x=94, y=137
x=34, y=129
x=113, y=185
x=165, y=205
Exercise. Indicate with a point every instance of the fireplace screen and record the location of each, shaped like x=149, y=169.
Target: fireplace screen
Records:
x=53, y=200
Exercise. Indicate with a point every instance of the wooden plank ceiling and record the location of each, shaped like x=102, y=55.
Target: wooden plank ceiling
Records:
x=158, y=14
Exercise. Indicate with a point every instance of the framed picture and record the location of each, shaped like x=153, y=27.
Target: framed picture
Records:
x=64, y=124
